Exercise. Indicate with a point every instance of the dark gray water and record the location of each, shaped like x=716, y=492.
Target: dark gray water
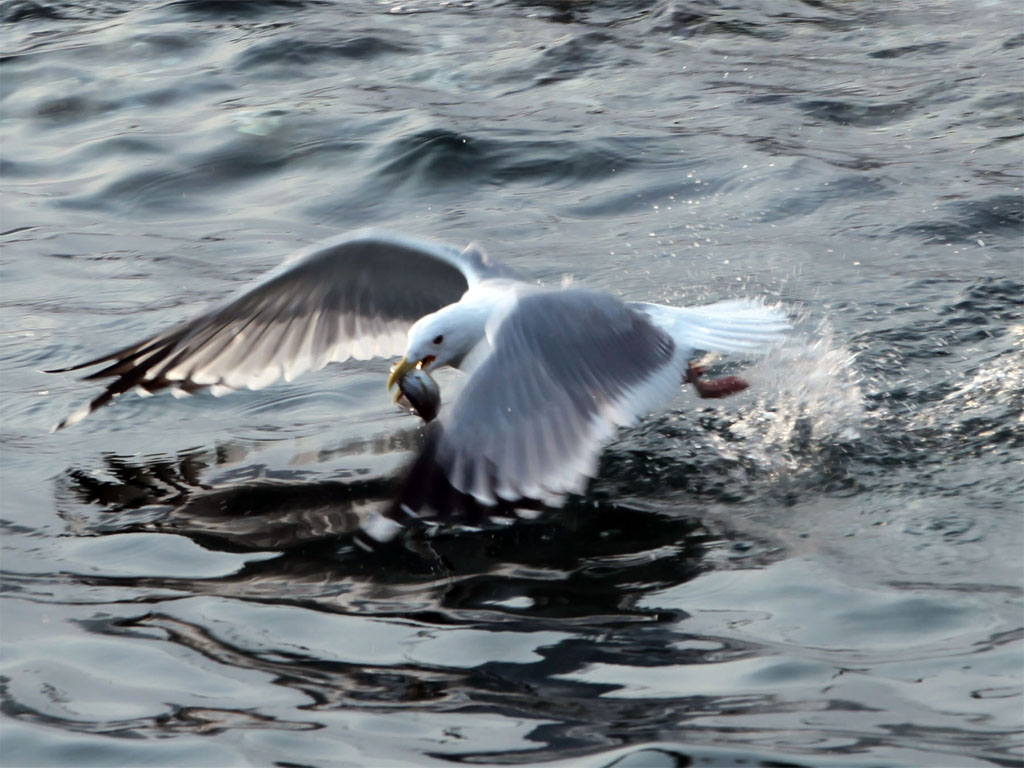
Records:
x=822, y=571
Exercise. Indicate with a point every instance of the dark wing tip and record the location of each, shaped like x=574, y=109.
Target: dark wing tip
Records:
x=127, y=372
x=80, y=366
x=84, y=411
x=118, y=355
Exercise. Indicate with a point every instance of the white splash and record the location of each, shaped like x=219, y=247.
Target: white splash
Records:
x=808, y=395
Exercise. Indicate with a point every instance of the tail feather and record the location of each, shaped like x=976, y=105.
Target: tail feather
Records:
x=728, y=326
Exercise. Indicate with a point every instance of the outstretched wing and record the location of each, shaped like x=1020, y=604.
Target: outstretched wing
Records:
x=351, y=297
x=567, y=368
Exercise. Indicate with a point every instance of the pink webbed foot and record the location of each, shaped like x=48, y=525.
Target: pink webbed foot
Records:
x=712, y=388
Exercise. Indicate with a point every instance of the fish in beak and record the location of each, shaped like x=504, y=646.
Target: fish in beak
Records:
x=418, y=391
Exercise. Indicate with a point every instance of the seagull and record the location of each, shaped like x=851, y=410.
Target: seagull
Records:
x=553, y=372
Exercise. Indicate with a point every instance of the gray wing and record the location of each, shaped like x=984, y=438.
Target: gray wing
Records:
x=351, y=297
x=567, y=368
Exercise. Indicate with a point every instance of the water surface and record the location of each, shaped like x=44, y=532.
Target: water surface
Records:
x=824, y=570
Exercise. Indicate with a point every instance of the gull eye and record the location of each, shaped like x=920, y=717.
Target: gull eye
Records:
x=438, y=339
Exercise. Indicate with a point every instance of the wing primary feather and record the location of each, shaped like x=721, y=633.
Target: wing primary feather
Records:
x=118, y=355
x=129, y=361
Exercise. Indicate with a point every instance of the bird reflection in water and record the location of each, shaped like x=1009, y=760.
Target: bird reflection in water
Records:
x=587, y=547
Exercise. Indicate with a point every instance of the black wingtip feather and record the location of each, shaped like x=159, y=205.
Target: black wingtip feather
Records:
x=128, y=375
x=120, y=355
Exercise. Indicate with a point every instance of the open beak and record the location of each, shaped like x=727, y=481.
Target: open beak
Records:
x=401, y=368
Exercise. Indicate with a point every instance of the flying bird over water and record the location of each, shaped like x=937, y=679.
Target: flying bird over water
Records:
x=553, y=372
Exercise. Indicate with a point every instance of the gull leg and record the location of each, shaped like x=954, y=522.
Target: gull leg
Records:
x=713, y=388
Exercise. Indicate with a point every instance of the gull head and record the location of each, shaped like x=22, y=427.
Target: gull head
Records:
x=441, y=338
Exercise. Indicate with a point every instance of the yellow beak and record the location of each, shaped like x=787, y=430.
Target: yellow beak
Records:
x=401, y=368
